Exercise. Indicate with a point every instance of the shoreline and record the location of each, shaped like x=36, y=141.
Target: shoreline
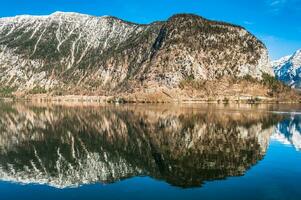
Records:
x=122, y=100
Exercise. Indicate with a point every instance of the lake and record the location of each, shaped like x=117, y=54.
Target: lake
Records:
x=160, y=151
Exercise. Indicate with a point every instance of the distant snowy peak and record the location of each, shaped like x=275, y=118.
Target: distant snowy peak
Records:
x=288, y=69
x=296, y=59
x=281, y=61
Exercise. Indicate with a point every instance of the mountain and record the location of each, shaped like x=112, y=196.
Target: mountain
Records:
x=288, y=69
x=185, y=57
x=185, y=147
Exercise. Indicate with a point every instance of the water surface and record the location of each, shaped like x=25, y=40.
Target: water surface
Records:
x=149, y=151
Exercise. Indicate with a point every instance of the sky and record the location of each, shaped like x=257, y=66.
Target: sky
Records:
x=276, y=22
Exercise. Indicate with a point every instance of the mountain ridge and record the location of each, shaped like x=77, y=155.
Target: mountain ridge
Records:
x=71, y=53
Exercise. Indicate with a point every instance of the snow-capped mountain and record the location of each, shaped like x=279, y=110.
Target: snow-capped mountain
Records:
x=71, y=53
x=288, y=69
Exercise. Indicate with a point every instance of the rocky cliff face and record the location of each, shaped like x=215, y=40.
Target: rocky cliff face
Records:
x=288, y=69
x=68, y=147
x=70, y=53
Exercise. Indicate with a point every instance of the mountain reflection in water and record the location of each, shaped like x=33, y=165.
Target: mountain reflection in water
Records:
x=184, y=146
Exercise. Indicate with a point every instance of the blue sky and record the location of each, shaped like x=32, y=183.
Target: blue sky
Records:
x=276, y=22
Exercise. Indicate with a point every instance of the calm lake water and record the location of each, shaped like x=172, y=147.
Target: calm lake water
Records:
x=149, y=151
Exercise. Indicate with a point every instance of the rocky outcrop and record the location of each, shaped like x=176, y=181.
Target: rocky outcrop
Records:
x=68, y=147
x=70, y=53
